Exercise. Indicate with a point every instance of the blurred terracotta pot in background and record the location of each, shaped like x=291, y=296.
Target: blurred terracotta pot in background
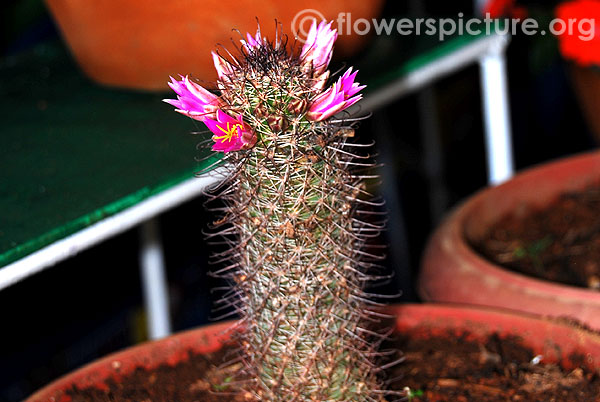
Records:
x=453, y=271
x=139, y=43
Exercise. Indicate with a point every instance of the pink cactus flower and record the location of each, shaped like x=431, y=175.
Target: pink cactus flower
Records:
x=192, y=99
x=230, y=134
x=318, y=48
x=252, y=42
x=223, y=67
x=341, y=95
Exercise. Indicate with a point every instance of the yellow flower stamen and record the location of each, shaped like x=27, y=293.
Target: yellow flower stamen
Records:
x=229, y=131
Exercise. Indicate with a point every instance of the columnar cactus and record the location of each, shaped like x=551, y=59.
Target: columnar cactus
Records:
x=297, y=257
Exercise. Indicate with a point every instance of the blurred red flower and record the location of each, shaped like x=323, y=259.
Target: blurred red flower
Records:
x=504, y=8
x=498, y=8
x=580, y=40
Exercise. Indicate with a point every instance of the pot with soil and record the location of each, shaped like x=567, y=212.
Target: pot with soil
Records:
x=450, y=354
x=531, y=244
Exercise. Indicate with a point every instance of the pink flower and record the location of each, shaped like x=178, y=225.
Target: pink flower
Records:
x=223, y=67
x=193, y=100
x=337, y=98
x=252, y=42
x=318, y=48
x=230, y=134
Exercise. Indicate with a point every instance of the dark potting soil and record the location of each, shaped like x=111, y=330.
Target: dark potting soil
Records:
x=458, y=370
x=559, y=243
x=435, y=369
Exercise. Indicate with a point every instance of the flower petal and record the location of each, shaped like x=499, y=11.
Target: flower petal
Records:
x=230, y=134
x=318, y=48
x=341, y=95
x=252, y=42
x=192, y=99
x=222, y=66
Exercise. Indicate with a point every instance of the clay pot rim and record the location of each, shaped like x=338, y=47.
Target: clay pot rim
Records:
x=416, y=320
x=556, y=339
x=206, y=339
x=453, y=231
x=460, y=312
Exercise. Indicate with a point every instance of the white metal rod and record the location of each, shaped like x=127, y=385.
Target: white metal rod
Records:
x=428, y=74
x=154, y=281
x=496, y=113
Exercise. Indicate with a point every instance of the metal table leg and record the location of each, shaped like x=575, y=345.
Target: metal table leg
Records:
x=154, y=283
x=494, y=91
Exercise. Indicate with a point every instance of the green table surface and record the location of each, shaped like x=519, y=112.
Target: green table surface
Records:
x=73, y=153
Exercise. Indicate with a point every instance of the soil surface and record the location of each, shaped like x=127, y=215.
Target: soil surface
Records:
x=435, y=369
x=455, y=369
x=559, y=243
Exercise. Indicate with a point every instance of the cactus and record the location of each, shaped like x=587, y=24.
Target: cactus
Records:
x=296, y=242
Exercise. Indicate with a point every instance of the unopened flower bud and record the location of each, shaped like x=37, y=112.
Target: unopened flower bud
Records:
x=297, y=106
x=277, y=123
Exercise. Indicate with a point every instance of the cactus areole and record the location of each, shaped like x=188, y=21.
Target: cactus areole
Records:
x=297, y=255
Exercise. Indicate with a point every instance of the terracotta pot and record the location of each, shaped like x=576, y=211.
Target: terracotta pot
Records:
x=554, y=340
x=586, y=81
x=452, y=271
x=139, y=43
x=149, y=355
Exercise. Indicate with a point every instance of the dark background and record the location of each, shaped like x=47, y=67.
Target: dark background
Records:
x=91, y=304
